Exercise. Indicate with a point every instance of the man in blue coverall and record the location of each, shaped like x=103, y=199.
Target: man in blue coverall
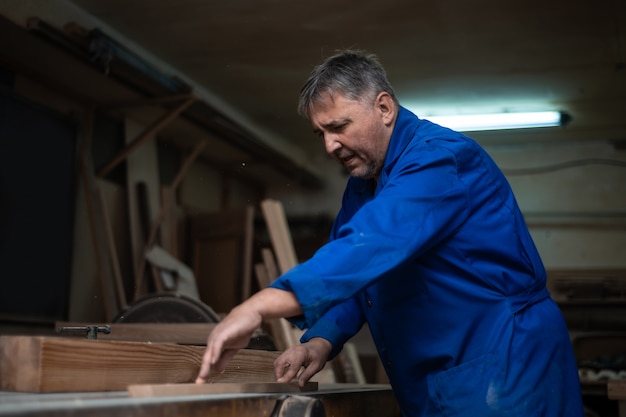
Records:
x=431, y=250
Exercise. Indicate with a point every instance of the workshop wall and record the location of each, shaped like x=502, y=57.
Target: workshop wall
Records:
x=573, y=196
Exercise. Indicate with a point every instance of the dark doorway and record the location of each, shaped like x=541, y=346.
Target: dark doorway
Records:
x=37, y=187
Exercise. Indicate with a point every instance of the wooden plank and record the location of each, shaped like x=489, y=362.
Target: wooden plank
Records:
x=57, y=364
x=220, y=246
x=169, y=223
x=97, y=227
x=352, y=363
x=181, y=333
x=141, y=168
x=270, y=264
x=280, y=329
x=112, y=252
x=248, y=241
x=162, y=390
x=280, y=236
x=262, y=276
x=284, y=333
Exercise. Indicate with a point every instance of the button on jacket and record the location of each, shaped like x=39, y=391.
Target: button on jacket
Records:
x=437, y=259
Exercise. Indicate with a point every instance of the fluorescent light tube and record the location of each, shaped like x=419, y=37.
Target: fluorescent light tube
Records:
x=498, y=121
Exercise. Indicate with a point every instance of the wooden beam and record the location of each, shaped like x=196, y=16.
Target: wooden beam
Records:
x=149, y=132
x=57, y=364
x=161, y=390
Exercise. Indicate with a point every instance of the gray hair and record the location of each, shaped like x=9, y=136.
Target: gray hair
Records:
x=355, y=74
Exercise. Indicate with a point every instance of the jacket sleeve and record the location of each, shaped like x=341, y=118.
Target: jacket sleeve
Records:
x=420, y=204
x=337, y=325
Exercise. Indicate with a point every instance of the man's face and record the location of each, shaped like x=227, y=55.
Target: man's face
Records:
x=355, y=133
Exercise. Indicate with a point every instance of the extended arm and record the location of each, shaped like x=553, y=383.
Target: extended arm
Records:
x=235, y=330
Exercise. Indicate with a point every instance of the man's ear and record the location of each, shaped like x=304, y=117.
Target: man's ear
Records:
x=387, y=108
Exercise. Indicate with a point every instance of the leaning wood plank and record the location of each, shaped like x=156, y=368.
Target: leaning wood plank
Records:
x=290, y=251
x=98, y=232
x=279, y=328
x=112, y=252
x=248, y=240
x=285, y=334
x=162, y=390
x=142, y=173
x=56, y=364
x=270, y=264
x=262, y=276
x=279, y=234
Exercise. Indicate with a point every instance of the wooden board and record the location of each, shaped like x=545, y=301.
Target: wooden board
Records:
x=57, y=364
x=162, y=390
x=98, y=230
x=278, y=229
x=221, y=256
x=181, y=333
x=141, y=168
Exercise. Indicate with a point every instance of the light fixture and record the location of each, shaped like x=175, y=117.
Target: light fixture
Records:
x=499, y=121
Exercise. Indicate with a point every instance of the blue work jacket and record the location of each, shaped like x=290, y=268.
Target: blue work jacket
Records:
x=437, y=259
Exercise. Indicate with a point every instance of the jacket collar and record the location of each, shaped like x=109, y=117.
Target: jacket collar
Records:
x=403, y=132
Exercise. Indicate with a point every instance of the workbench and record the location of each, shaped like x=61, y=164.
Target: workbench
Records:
x=329, y=400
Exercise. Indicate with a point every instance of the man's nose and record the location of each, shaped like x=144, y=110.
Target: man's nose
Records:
x=331, y=143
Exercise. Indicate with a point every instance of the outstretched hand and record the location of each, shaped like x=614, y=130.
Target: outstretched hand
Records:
x=311, y=355
x=230, y=335
x=236, y=329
